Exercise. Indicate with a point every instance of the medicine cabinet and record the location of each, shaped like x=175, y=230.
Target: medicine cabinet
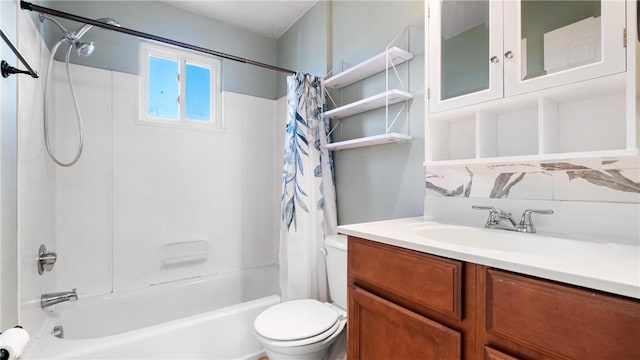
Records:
x=530, y=80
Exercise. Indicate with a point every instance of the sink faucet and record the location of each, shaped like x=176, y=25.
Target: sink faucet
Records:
x=58, y=297
x=497, y=215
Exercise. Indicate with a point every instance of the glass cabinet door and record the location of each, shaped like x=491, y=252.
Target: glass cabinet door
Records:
x=465, y=52
x=554, y=42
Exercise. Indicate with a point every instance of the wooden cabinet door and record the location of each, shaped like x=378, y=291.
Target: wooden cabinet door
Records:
x=560, y=321
x=380, y=329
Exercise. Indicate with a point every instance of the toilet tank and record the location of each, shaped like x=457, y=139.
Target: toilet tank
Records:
x=336, y=246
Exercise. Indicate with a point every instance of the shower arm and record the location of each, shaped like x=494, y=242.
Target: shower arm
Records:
x=42, y=18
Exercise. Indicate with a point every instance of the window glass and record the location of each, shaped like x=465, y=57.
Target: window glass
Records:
x=198, y=93
x=179, y=88
x=559, y=35
x=163, y=88
x=465, y=47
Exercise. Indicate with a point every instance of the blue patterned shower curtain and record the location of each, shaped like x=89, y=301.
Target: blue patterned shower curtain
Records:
x=308, y=192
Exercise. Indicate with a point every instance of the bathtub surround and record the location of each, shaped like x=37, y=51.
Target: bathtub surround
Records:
x=36, y=181
x=184, y=182
x=140, y=194
x=308, y=191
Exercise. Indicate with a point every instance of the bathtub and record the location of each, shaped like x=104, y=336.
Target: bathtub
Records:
x=205, y=318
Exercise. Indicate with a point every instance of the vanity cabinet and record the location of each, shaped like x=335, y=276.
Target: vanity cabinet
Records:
x=484, y=50
x=405, y=304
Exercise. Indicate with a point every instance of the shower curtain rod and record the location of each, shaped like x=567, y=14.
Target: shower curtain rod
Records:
x=37, y=8
x=8, y=70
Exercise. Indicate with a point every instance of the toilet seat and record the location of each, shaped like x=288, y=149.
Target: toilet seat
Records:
x=298, y=323
x=302, y=342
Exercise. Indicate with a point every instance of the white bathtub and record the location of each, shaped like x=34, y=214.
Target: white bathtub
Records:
x=206, y=318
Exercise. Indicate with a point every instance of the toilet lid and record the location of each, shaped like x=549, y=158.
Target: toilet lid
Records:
x=297, y=319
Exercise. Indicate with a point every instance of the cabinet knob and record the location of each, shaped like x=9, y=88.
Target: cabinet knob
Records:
x=494, y=60
x=508, y=54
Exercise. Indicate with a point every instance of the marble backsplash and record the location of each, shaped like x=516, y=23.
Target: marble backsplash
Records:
x=615, y=180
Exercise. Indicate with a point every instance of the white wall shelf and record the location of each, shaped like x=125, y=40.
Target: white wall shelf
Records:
x=372, y=102
x=386, y=62
x=368, y=67
x=369, y=141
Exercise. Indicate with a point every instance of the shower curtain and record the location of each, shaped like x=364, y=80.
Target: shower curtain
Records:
x=308, y=192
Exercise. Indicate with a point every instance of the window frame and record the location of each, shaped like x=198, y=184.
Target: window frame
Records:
x=183, y=57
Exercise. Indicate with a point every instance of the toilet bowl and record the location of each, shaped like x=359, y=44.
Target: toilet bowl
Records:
x=305, y=329
x=299, y=329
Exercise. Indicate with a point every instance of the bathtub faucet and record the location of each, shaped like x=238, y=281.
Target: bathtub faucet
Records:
x=58, y=297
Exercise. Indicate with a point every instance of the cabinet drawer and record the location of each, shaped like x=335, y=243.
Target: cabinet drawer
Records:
x=380, y=329
x=425, y=280
x=561, y=321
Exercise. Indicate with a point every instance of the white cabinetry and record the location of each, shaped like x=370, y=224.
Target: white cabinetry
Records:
x=483, y=50
x=541, y=89
x=385, y=61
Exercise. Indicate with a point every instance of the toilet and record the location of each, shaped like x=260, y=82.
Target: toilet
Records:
x=304, y=329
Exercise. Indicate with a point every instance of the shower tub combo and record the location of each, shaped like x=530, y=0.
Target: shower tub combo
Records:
x=205, y=318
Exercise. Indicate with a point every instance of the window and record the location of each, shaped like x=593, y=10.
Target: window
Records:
x=179, y=88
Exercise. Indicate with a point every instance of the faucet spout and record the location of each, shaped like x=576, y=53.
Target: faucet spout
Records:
x=58, y=297
x=510, y=219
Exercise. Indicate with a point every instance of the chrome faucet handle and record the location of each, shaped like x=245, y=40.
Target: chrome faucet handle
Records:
x=526, y=225
x=46, y=259
x=478, y=207
x=493, y=219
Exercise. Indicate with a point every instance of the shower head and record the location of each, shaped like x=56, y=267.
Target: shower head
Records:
x=84, y=28
x=84, y=49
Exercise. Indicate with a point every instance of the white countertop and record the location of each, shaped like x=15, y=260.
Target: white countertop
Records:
x=606, y=266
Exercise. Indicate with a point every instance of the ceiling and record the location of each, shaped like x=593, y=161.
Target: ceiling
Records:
x=266, y=17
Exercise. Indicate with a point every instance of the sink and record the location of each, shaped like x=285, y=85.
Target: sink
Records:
x=492, y=239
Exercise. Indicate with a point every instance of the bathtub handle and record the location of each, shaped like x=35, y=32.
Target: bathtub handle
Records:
x=46, y=259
